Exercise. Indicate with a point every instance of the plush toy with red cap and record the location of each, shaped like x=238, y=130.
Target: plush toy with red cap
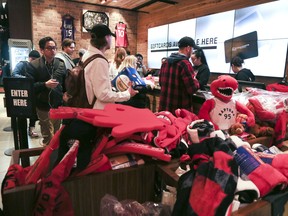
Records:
x=222, y=110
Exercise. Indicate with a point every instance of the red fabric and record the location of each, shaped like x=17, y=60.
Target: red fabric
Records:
x=280, y=129
x=95, y=164
x=264, y=176
x=121, y=35
x=278, y=161
x=215, y=181
x=41, y=165
x=263, y=115
x=14, y=177
x=203, y=204
x=186, y=115
x=100, y=146
x=50, y=197
x=138, y=148
x=250, y=121
x=260, y=112
x=178, y=84
x=277, y=87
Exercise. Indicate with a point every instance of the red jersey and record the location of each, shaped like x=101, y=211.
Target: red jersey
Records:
x=121, y=35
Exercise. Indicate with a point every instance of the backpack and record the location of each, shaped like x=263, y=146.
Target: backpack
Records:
x=75, y=84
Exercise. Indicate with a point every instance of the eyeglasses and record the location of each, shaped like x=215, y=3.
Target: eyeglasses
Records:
x=51, y=48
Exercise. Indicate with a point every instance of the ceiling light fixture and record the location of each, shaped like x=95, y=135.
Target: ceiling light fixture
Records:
x=103, y=1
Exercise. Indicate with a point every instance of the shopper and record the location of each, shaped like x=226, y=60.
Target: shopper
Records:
x=200, y=67
x=241, y=73
x=141, y=68
x=68, y=48
x=20, y=71
x=48, y=73
x=97, y=83
x=97, y=72
x=177, y=78
x=119, y=56
x=140, y=99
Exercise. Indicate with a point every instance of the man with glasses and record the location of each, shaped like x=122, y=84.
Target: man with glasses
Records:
x=49, y=74
x=68, y=47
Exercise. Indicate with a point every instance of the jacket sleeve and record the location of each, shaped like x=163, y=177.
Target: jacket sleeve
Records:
x=19, y=70
x=33, y=71
x=204, y=75
x=98, y=83
x=189, y=79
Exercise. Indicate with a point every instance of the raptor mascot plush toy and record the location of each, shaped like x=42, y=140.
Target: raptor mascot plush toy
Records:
x=222, y=110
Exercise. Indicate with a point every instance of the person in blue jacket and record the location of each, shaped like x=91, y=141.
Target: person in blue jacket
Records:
x=20, y=70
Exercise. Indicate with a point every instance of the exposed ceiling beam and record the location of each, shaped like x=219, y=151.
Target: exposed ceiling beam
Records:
x=106, y=6
x=152, y=2
x=168, y=2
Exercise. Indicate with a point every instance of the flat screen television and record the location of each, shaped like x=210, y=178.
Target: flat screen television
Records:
x=251, y=32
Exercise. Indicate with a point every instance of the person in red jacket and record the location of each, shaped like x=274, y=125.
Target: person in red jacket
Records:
x=177, y=78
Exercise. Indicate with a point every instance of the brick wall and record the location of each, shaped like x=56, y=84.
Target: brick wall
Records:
x=47, y=20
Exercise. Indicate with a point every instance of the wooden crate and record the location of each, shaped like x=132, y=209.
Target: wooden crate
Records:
x=136, y=183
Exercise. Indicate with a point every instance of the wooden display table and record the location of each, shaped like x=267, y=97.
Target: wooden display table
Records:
x=86, y=192
x=262, y=207
x=136, y=183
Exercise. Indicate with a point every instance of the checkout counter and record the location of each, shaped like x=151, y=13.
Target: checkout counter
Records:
x=154, y=97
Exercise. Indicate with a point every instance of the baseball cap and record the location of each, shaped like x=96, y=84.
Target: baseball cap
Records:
x=186, y=41
x=101, y=30
x=34, y=54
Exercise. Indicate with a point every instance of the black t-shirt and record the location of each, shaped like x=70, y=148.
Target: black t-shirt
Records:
x=245, y=75
x=203, y=74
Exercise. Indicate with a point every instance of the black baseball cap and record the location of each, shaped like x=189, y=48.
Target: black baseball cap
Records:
x=101, y=30
x=187, y=41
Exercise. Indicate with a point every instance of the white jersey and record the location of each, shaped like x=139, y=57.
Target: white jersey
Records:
x=223, y=114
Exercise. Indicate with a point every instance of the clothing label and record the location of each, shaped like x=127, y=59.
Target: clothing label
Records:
x=247, y=160
x=266, y=158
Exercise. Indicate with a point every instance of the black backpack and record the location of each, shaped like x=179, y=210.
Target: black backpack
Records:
x=75, y=84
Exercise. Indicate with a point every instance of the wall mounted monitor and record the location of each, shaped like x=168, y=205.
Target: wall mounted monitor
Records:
x=254, y=33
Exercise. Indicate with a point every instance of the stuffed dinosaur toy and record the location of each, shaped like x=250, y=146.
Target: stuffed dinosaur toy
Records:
x=222, y=110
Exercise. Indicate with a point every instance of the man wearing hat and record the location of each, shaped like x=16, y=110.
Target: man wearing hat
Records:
x=20, y=70
x=97, y=82
x=177, y=78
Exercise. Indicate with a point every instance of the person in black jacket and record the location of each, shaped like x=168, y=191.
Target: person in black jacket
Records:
x=20, y=71
x=241, y=73
x=49, y=75
x=200, y=67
